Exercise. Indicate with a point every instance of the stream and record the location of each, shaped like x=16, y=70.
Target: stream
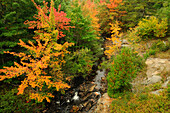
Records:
x=83, y=96
x=80, y=99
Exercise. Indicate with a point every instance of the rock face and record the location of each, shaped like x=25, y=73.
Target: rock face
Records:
x=156, y=66
x=103, y=104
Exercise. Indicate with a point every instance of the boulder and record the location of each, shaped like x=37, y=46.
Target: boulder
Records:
x=165, y=84
x=124, y=41
x=156, y=66
x=152, y=80
x=157, y=92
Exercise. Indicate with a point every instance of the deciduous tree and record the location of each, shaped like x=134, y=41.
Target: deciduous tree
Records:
x=42, y=65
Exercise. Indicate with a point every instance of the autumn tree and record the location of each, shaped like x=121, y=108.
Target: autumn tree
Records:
x=115, y=40
x=90, y=8
x=108, y=14
x=86, y=50
x=138, y=9
x=42, y=64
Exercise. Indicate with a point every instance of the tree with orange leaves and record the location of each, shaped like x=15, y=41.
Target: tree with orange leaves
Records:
x=109, y=14
x=90, y=8
x=42, y=65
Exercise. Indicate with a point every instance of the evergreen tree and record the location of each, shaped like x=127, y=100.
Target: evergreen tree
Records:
x=13, y=13
x=138, y=9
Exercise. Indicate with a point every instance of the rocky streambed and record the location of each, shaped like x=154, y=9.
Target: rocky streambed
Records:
x=86, y=96
x=82, y=98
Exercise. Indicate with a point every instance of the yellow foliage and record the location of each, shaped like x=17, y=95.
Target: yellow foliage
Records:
x=115, y=39
x=90, y=8
x=41, y=97
x=42, y=66
x=152, y=27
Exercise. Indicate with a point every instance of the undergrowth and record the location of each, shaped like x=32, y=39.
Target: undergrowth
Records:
x=141, y=103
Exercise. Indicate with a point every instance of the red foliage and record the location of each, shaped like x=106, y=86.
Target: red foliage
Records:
x=61, y=21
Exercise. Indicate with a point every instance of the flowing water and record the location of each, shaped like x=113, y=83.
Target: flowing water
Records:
x=98, y=78
x=88, y=94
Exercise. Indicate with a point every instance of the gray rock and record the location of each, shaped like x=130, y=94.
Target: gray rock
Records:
x=165, y=84
x=124, y=41
x=157, y=92
x=103, y=104
x=125, y=45
x=156, y=66
x=152, y=80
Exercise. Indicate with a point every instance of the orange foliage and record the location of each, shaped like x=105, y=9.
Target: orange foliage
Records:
x=42, y=66
x=109, y=14
x=90, y=8
x=44, y=20
x=112, y=8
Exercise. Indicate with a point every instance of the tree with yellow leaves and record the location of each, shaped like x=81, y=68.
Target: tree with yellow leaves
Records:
x=42, y=65
x=115, y=39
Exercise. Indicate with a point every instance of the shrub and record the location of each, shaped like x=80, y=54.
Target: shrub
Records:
x=152, y=52
x=146, y=55
x=147, y=28
x=79, y=63
x=141, y=103
x=132, y=35
x=124, y=68
x=10, y=103
x=160, y=45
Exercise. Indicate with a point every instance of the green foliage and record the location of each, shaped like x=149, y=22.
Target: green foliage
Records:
x=152, y=52
x=13, y=13
x=160, y=45
x=81, y=35
x=168, y=90
x=124, y=69
x=86, y=50
x=141, y=103
x=105, y=64
x=79, y=63
x=156, y=86
x=146, y=55
x=138, y=9
x=148, y=28
x=10, y=102
x=164, y=11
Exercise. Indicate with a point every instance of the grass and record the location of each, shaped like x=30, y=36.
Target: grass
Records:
x=141, y=103
x=163, y=55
